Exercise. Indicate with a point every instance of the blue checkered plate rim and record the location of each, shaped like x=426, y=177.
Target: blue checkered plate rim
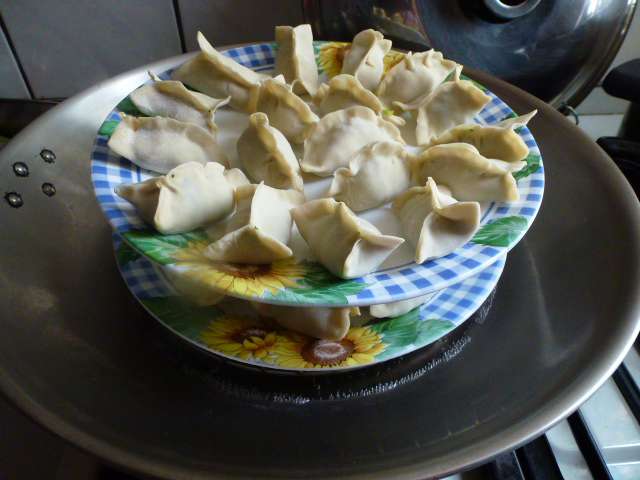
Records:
x=231, y=329
x=291, y=282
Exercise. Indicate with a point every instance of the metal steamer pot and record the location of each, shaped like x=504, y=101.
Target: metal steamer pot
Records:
x=79, y=354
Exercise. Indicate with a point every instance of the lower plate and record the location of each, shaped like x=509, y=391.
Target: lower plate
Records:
x=233, y=330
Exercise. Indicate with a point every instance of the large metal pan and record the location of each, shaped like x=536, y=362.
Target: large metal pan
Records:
x=79, y=355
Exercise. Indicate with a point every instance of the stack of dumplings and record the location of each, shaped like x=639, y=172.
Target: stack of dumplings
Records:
x=348, y=134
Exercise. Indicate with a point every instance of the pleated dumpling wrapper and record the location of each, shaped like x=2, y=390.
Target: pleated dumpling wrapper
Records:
x=339, y=135
x=170, y=98
x=498, y=141
x=365, y=58
x=434, y=222
x=217, y=75
x=295, y=58
x=317, y=322
x=286, y=111
x=376, y=175
x=416, y=75
x=260, y=228
x=454, y=102
x=161, y=144
x=395, y=309
x=347, y=246
x=344, y=91
x=469, y=175
x=266, y=155
x=191, y=195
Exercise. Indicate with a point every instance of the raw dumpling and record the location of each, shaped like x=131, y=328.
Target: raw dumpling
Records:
x=192, y=289
x=395, y=309
x=295, y=58
x=365, y=58
x=259, y=229
x=339, y=135
x=265, y=154
x=170, y=98
x=469, y=175
x=416, y=75
x=160, y=144
x=286, y=111
x=492, y=141
x=346, y=245
x=217, y=75
x=376, y=175
x=317, y=322
x=452, y=103
x=344, y=91
x=189, y=196
x=435, y=223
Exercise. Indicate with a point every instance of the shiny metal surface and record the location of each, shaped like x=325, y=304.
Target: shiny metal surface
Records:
x=556, y=50
x=79, y=355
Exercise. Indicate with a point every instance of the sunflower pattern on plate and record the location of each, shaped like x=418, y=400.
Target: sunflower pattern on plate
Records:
x=331, y=57
x=241, y=337
x=284, y=280
x=249, y=338
x=233, y=278
x=359, y=347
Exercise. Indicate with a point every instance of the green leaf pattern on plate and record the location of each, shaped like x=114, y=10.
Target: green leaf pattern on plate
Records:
x=126, y=106
x=501, y=232
x=108, y=127
x=126, y=254
x=405, y=331
x=162, y=248
x=532, y=166
x=320, y=286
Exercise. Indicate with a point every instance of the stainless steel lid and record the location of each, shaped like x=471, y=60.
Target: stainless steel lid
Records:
x=554, y=49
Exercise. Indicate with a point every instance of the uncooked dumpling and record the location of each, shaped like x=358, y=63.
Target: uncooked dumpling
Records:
x=317, y=322
x=160, y=144
x=217, y=75
x=339, y=135
x=376, y=175
x=295, y=58
x=259, y=229
x=435, y=223
x=395, y=309
x=454, y=102
x=286, y=111
x=344, y=91
x=469, y=175
x=416, y=75
x=346, y=245
x=170, y=98
x=365, y=58
x=265, y=154
x=189, y=196
x=492, y=141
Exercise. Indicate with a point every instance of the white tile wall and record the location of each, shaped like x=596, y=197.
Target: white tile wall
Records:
x=65, y=46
